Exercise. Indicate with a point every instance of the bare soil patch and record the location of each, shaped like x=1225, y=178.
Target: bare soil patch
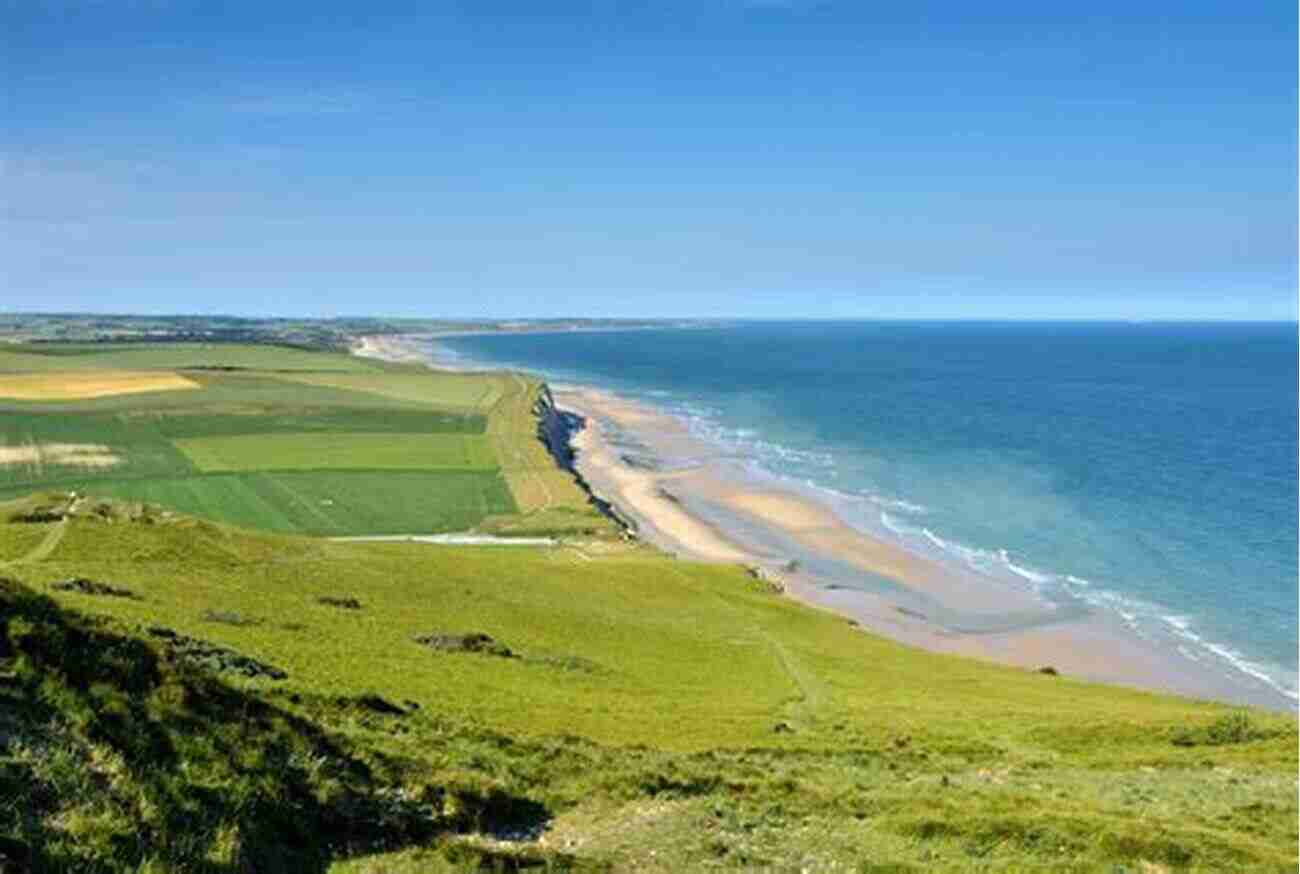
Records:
x=64, y=454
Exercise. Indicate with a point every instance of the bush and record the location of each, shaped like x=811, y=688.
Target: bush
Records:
x=1231, y=728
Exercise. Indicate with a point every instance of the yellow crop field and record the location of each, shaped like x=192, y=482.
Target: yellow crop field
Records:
x=79, y=385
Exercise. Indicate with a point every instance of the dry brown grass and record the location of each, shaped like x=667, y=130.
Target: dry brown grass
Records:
x=68, y=454
x=68, y=385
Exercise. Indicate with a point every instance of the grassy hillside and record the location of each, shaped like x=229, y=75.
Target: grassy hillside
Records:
x=631, y=712
x=178, y=694
x=285, y=440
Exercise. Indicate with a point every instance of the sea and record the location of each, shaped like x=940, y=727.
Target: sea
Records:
x=1145, y=470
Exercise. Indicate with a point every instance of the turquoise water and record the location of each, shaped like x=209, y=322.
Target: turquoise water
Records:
x=1146, y=470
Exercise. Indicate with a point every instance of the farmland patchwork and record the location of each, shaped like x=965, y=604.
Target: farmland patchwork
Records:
x=282, y=440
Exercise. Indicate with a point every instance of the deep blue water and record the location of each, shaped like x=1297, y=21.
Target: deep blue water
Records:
x=1148, y=469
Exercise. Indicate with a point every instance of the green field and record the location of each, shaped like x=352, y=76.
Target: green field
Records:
x=339, y=451
x=445, y=390
x=175, y=356
x=284, y=418
x=142, y=450
x=326, y=502
x=627, y=711
x=247, y=392
x=655, y=715
x=334, y=422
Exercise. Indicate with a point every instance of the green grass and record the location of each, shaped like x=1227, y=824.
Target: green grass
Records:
x=116, y=759
x=251, y=422
x=143, y=439
x=323, y=502
x=439, y=389
x=340, y=451
x=663, y=716
x=656, y=715
x=550, y=501
x=250, y=392
x=174, y=356
x=143, y=451
x=308, y=458
x=289, y=419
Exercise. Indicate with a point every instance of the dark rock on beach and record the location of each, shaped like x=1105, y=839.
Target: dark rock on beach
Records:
x=772, y=581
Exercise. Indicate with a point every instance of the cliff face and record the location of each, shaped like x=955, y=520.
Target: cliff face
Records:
x=555, y=428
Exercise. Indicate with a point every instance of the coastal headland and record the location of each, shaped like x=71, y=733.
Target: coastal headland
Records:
x=689, y=498
x=336, y=614
x=692, y=498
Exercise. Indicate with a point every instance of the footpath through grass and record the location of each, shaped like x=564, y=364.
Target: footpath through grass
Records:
x=627, y=712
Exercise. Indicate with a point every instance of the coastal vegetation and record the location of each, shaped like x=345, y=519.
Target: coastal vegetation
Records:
x=189, y=683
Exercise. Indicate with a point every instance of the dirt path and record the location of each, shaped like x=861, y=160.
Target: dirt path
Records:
x=450, y=539
x=42, y=550
x=808, y=694
x=808, y=697
x=50, y=541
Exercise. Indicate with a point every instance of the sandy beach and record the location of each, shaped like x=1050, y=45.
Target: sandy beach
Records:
x=688, y=497
x=697, y=508
x=390, y=348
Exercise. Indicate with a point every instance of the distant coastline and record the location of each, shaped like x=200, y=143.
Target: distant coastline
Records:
x=710, y=511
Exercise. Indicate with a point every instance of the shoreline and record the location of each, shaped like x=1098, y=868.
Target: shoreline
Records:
x=907, y=599
x=698, y=506
x=382, y=345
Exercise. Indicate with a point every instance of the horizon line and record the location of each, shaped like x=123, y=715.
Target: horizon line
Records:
x=665, y=319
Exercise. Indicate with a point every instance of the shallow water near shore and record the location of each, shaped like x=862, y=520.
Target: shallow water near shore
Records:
x=1145, y=473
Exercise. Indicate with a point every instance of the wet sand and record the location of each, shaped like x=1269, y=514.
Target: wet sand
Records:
x=688, y=498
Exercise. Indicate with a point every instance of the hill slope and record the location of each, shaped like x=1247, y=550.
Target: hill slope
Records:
x=587, y=706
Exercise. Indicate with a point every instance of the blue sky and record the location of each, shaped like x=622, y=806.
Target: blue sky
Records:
x=761, y=158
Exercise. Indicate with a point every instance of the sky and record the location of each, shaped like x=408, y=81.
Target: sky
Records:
x=650, y=158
